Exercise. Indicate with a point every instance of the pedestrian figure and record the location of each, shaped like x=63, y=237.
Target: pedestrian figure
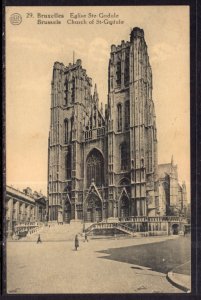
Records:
x=39, y=239
x=85, y=237
x=76, y=242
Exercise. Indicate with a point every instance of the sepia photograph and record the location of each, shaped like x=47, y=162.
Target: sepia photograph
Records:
x=98, y=193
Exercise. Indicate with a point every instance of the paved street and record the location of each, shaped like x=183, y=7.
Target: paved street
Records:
x=170, y=255
x=54, y=267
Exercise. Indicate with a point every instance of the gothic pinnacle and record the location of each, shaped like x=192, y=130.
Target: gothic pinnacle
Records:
x=172, y=160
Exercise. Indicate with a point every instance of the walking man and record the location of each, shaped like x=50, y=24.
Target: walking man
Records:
x=85, y=237
x=39, y=239
x=76, y=242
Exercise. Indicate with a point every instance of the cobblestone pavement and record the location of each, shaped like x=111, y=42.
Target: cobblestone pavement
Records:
x=55, y=267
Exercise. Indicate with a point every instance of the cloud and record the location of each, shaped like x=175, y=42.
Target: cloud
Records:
x=48, y=46
x=98, y=50
x=33, y=44
x=162, y=52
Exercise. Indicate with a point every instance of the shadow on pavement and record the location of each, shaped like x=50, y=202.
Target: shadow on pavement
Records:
x=160, y=256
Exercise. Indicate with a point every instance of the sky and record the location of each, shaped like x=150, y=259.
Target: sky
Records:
x=32, y=49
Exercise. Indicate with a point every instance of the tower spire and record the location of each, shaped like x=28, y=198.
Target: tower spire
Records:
x=101, y=109
x=95, y=88
x=172, y=160
x=73, y=56
x=95, y=96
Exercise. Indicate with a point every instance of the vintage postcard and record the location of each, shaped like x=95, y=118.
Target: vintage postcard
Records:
x=98, y=150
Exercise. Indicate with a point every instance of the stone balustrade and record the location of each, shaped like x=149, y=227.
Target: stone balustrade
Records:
x=146, y=226
x=94, y=133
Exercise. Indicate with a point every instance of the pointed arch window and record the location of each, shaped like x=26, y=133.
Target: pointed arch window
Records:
x=66, y=94
x=127, y=115
x=66, y=131
x=124, y=155
x=119, y=117
x=71, y=129
x=95, y=168
x=73, y=90
x=68, y=164
x=124, y=181
x=126, y=69
x=118, y=73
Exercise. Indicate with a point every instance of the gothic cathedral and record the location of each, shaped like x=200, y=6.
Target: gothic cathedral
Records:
x=103, y=164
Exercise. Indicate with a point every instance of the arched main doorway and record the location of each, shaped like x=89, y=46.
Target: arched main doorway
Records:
x=124, y=207
x=175, y=229
x=93, y=209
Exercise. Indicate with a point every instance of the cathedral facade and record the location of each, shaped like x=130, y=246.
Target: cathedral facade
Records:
x=102, y=163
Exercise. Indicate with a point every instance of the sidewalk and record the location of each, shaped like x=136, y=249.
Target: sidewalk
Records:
x=180, y=281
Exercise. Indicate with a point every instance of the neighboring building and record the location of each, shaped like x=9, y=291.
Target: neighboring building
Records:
x=23, y=208
x=188, y=212
x=172, y=195
x=104, y=165
x=162, y=199
x=41, y=210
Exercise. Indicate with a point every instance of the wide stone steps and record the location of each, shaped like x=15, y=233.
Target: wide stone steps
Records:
x=124, y=229
x=104, y=226
x=64, y=232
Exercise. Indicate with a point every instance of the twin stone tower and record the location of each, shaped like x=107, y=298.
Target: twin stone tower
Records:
x=103, y=164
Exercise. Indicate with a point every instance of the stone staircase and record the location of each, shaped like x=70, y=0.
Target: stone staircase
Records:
x=65, y=232
x=125, y=229
x=104, y=226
